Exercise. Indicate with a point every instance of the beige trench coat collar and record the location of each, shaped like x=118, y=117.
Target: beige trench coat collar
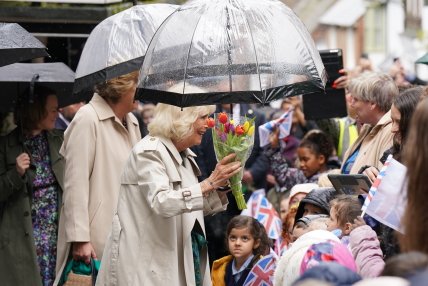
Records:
x=105, y=112
x=385, y=119
x=190, y=155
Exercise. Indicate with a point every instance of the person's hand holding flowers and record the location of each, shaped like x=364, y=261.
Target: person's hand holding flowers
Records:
x=219, y=178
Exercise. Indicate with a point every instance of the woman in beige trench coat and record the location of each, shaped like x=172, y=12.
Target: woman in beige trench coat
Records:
x=96, y=146
x=161, y=205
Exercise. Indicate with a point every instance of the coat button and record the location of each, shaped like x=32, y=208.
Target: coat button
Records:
x=27, y=233
x=26, y=213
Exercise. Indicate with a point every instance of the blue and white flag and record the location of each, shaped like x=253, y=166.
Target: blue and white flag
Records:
x=283, y=123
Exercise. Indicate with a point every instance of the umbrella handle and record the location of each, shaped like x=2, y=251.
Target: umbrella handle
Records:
x=32, y=83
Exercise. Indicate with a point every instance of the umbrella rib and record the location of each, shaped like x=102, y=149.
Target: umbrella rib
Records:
x=188, y=54
x=255, y=54
x=229, y=49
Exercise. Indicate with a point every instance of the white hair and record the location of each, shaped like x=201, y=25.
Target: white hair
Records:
x=174, y=122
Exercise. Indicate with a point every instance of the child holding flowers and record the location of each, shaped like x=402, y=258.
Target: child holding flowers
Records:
x=313, y=152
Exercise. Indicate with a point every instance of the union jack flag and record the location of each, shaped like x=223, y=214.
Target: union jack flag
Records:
x=262, y=210
x=262, y=272
x=375, y=185
x=283, y=123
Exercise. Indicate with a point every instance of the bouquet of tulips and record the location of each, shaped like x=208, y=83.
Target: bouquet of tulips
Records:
x=230, y=136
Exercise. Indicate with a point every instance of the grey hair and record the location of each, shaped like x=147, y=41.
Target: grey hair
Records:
x=174, y=122
x=378, y=88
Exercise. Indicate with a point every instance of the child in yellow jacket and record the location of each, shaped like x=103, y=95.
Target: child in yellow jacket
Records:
x=247, y=242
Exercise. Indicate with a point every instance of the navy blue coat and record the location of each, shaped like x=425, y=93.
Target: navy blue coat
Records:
x=330, y=272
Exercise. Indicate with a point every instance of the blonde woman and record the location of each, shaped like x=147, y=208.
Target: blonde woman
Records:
x=158, y=233
x=96, y=146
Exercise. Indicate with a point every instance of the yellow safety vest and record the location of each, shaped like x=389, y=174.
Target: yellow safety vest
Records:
x=348, y=133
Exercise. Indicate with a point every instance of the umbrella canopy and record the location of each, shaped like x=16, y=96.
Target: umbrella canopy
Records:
x=16, y=45
x=230, y=51
x=423, y=59
x=117, y=45
x=15, y=79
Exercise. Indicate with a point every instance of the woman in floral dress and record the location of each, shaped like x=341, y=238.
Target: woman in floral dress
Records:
x=31, y=176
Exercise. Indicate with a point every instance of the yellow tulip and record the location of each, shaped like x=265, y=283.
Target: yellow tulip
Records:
x=250, y=131
x=246, y=126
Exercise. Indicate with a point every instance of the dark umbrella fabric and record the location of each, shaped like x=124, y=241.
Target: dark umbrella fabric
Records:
x=17, y=45
x=230, y=51
x=15, y=79
x=117, y=45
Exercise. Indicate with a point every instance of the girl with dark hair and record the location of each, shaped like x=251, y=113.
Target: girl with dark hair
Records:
x=247, y=242
x=31, y=184
x=401, y=113
x=314, y=152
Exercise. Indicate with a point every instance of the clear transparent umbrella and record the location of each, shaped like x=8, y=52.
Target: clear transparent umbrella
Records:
x=117, y=45
x=230, y=51
x=17, y=45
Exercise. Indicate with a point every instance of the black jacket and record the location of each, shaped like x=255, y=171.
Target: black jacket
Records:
x=320, y=197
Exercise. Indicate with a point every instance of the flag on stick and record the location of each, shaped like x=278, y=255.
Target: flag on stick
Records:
x=283, y=123
x=375, y=185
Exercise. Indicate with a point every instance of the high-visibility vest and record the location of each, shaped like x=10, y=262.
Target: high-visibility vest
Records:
x=348, y=133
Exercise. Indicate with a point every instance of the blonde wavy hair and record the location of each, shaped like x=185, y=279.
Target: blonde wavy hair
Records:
x=113, y=89
x=174, y=122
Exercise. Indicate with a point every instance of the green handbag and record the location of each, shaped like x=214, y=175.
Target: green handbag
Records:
x=78, y=273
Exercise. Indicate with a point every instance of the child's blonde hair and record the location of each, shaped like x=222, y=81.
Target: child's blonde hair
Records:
x=289, y=222
x=347, y=208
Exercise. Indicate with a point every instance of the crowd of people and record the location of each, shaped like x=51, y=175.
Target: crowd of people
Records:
x=137, y=187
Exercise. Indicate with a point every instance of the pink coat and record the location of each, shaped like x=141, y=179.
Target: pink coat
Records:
x=365, y=247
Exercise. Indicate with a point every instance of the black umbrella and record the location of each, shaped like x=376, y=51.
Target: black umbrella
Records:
x=230, y=51
x=16, y=79
x=16, y=45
